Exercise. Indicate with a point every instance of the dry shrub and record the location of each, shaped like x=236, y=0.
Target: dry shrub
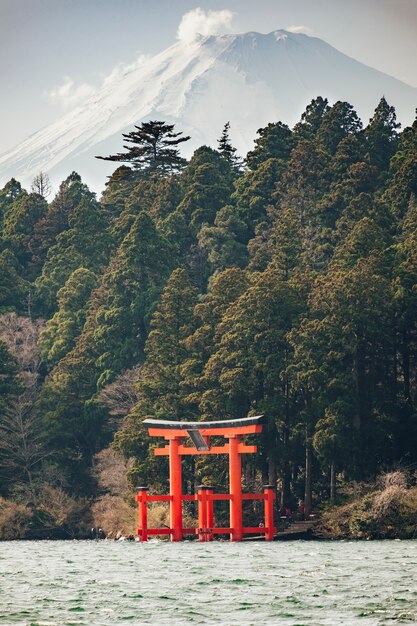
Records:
x=68, y=514
x=14, y=519
x=122, y=395
x=393, y=479
x=385, y=513
x=115, y=516
x=335, y=522
x=386, y=502
x=158, y=515
x=118, y=518
x=110, y=472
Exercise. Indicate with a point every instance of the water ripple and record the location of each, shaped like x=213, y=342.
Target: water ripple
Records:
x=290, y=584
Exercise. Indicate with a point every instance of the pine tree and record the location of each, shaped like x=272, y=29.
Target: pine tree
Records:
x=255, y=191
x=160, y=384
x=381, y=135
x=275, y=141
x=117, y=190
x=10, y=192
x=86, y=243
x=340, y=121
x=339, y=355
x=223, y=290
x=62, y=330
x=152, y=146
x=118, y=320
x=13, y=288
x=405, y=303
x=311, y=119
x=19, y=230
x=71, y=193
x=226, y=148
x=225, y=241
x=209, y=182
x=403, y=173
x=278, y=243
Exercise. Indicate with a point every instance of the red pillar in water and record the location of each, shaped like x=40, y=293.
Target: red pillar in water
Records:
x=269, y=512
x=142, y=513
x=235, y=478
x=210, y=513
x=175, y=480
x=202, y=513
x=205, y=513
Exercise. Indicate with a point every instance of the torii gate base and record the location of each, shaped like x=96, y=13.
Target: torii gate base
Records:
x=200, y=432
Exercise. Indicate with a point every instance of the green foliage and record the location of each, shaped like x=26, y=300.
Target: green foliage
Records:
x=312, y=119
x=85, y=243
x=224, y=242
x=287, y=288
x=152, y=146
x=70, y=194
x=274, y=142
x=226, y=149
x=160, y=386
x=255, y=191
x=338, y=122
x=131, y=287
x=208, y=178
x=9, y=385
x=19, y=230
x=63, y=328
x=8, y=195
x=381, y=135
x=14, y=290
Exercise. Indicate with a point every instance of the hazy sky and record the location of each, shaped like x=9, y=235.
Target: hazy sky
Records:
x=55, y=52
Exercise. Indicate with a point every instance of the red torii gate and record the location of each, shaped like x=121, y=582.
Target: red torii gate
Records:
x=200, y=432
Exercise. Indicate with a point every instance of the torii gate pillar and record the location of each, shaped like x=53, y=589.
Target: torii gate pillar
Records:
x=175, y=481
x=235, y=478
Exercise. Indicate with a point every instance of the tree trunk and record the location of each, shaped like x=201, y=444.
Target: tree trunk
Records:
x=359, y=384
x=272, y=472
x=332, y=482
x=358, y=421
x=308, y=480
x=406, y=368
x=286, y=486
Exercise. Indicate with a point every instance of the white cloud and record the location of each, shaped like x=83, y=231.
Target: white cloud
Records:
x=68, y=95
x=204, y=23
x=299, y=29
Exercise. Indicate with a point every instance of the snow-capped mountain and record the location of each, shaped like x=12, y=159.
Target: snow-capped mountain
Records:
x=249, y=80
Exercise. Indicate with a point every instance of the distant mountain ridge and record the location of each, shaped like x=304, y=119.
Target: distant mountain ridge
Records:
x=249, y=79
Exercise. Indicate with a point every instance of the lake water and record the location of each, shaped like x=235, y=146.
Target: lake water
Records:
x=298, y=583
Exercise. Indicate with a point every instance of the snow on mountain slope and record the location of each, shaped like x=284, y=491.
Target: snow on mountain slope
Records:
x=248, y=79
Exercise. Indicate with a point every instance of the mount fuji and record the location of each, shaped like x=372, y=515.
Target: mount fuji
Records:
x=248, y=79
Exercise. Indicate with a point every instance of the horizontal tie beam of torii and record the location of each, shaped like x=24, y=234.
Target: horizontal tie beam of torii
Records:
x=176, y=433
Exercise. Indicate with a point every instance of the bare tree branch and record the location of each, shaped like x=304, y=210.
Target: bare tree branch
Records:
x=122, y=395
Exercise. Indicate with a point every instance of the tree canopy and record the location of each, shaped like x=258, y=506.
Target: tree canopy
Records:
x=152, y=146
x=212, y=289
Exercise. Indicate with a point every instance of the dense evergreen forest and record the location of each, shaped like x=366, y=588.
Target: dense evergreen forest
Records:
x=283, y=284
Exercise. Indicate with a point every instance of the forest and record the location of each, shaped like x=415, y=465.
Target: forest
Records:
x=282, y=284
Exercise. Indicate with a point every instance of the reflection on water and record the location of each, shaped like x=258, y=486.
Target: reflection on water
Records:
x=294, y=583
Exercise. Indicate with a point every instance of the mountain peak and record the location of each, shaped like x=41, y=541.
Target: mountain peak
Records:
x=249, y=79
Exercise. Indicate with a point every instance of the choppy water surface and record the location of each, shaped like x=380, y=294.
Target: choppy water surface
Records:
x=296, y=583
